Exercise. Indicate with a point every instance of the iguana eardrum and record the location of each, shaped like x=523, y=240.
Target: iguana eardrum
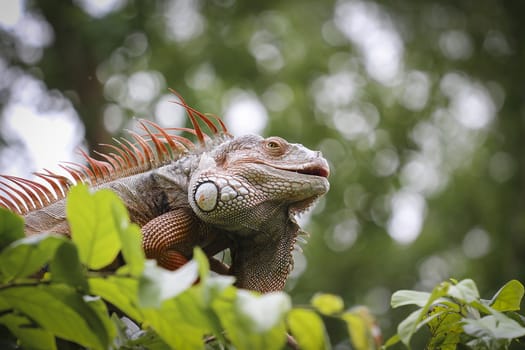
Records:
x=238, y=193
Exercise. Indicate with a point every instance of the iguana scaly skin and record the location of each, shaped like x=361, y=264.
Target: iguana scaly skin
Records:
x=238, y=193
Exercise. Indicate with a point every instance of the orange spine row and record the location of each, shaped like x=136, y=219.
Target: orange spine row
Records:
x=150, y=150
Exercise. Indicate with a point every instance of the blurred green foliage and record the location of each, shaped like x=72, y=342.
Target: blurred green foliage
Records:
x=457, y=317
x=418, y=106
x=76, y=304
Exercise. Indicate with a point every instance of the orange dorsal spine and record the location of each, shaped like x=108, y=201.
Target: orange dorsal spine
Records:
x=151, y=150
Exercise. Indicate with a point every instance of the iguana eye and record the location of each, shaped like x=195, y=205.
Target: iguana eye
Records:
x=275, y=146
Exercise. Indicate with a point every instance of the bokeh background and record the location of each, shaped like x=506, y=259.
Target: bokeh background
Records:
x=418, y=105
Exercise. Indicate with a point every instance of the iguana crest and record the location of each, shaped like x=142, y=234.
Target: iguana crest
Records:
x=157, y=147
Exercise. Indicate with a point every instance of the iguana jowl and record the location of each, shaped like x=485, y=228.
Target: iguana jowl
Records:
x=238, y=193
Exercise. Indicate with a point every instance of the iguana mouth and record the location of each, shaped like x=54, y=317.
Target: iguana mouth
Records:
x=317, y=168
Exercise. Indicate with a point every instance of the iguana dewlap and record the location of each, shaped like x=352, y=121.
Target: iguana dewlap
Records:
x=239, y=193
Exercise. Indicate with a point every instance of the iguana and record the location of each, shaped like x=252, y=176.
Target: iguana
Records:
x=240, y=193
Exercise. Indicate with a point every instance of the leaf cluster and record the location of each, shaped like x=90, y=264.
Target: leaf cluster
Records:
x=457, y=317
x=56, y=291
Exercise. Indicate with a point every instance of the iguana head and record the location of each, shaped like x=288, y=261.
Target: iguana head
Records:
x=252, y=187
x=243, y=184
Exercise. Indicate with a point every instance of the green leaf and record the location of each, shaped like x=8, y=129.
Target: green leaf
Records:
x=393, y=340
x=100, y=310
x=174, y=331
x=407, y=327
x=11, y=227
x=157, y=284
x=93, y=226
x=362, y=327
x=327, y=304
x=410, y=325
x=358, y=330
x=495, y=326
x=202, y=261
x=177, y=328
x=119, y=291
x=178, y=312
x=197, y=312
x=209, y=290
x=190, y=305
x=28, y=255
x=66, y=268
x=409, y=297
x=307, y=328
x=445, y=326
x=28, y=333
x=252, y=321
x=130, y=238
x=480, y=307
x=464, y=290
x=214, y=286
x=418, y=318
x=60, y=310
x=508, y=298
x=131, y=336
x=264, y=311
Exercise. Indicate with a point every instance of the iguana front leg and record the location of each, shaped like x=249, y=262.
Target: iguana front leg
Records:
x=170, y=238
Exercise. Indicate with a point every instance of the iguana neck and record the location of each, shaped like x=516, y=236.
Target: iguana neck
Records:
x=261, y=261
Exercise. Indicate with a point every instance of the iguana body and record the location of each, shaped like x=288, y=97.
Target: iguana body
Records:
x=237, y=193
